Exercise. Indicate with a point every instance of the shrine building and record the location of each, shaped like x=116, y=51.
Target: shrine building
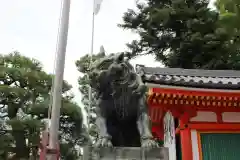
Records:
x=195, y=112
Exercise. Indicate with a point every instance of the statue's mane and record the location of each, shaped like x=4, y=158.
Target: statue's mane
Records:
x=97, y=64
x=129, y=84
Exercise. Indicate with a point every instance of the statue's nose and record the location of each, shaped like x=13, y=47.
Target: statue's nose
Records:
x=117, y=68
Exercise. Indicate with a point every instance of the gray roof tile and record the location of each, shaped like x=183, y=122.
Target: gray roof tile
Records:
x=218, y=79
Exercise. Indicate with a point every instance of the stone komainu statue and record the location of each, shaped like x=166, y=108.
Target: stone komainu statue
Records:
x=122, y=116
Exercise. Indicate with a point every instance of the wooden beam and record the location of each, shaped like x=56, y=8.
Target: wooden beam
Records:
x=215, y=126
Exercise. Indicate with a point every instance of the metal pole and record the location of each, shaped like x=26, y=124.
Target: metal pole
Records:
x=92, y=42
x=58, y=78
x=91, y=54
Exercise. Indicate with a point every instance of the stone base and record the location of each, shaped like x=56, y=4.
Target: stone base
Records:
x=125, y=153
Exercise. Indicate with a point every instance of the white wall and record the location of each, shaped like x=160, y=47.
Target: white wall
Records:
x=203, y=116
x=233, y=117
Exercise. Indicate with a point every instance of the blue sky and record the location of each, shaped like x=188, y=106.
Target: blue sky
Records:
x=30, y=26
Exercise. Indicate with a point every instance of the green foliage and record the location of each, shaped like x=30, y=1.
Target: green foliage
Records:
x=180, y=33
x=25, y=97
x=229, y=17
x=83, y=66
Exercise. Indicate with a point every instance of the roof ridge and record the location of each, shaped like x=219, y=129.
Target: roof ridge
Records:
x=192, y=72
x=225, y=79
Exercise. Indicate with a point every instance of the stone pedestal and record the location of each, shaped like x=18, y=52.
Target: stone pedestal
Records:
x=125, y=153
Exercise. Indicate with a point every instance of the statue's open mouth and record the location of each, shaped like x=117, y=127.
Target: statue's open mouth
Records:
x=123, y=76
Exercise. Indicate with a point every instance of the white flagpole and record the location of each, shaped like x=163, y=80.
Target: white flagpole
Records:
x=58, y=78
x=91, y=54
x=92, y=40
x=96, y=9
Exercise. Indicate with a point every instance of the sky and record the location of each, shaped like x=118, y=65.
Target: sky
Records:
x=31, y=27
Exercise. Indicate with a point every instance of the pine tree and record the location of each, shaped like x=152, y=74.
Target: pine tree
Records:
x=179, y=33
x=83, y=65
x=24, y=101
x=229, y=18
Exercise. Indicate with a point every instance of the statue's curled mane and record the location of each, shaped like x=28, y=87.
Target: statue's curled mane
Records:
x=117, y=83
x=121, y=109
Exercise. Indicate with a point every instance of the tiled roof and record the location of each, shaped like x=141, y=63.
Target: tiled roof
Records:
x=217, y=79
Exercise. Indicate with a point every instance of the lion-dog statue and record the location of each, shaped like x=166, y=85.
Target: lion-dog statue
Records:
x=122, y=117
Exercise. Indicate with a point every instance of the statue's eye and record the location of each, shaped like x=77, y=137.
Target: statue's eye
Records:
x=105, y=65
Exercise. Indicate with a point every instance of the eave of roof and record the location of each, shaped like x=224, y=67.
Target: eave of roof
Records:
x=196, y=78
x=209, y=90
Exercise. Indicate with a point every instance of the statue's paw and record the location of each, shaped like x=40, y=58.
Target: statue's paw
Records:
x=149, y=143
x=103, y=142
x=141, y=89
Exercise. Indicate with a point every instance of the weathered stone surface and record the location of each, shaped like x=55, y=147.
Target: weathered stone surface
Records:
x=121, y=112
x=126, y=153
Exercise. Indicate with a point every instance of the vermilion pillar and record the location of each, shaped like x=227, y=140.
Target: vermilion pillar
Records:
x=186, y=141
